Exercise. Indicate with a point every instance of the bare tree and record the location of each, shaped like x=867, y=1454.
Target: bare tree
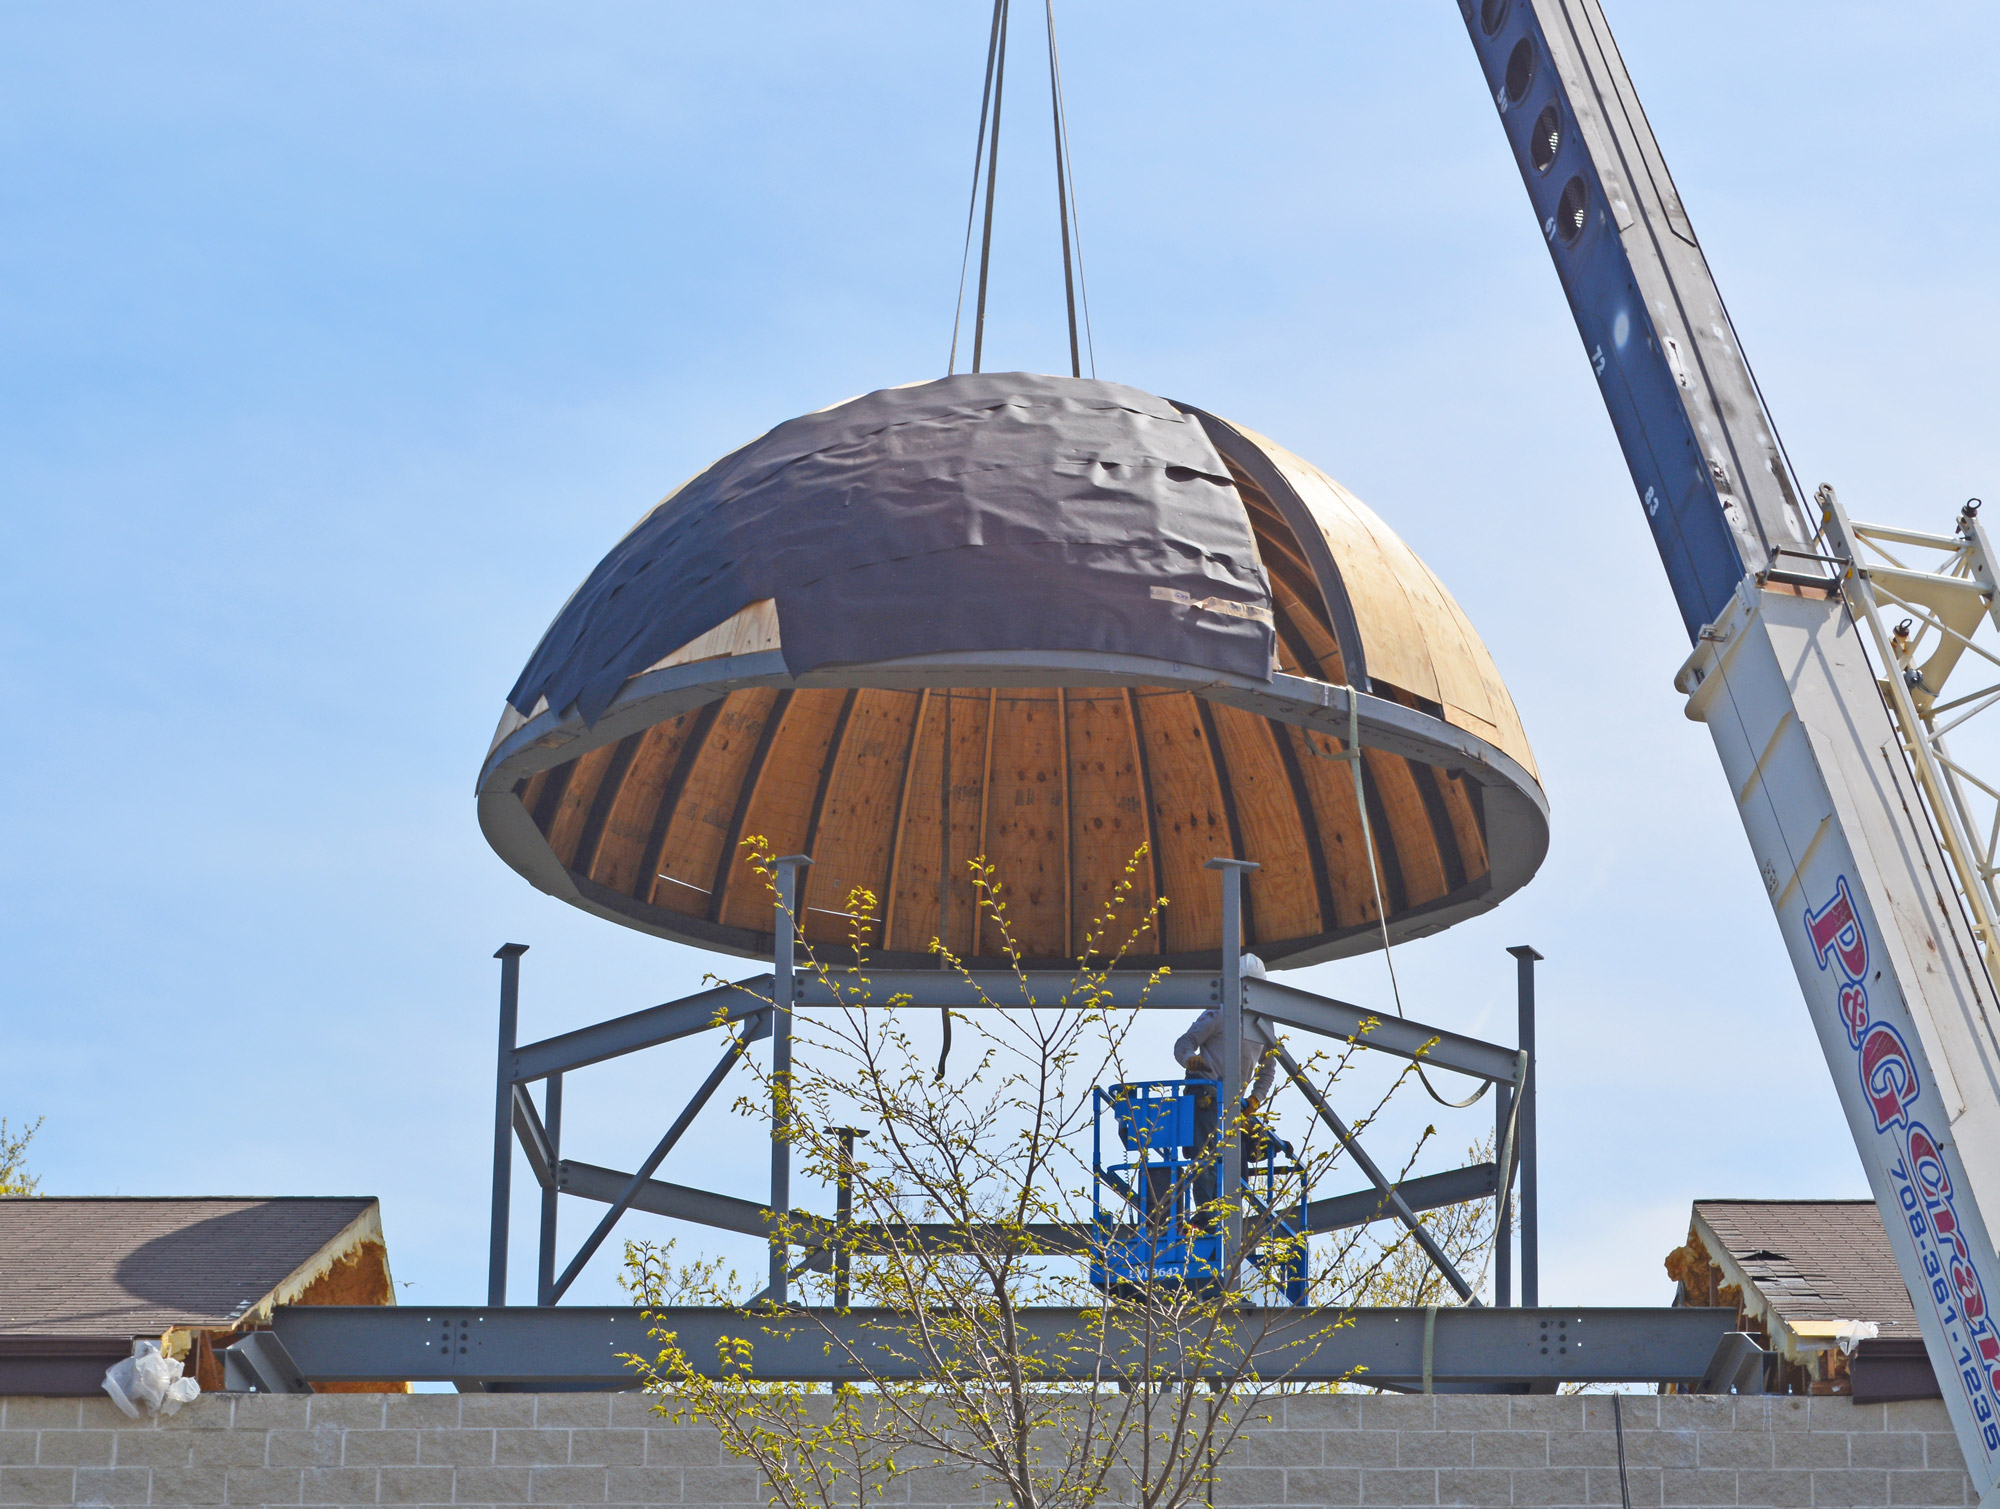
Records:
x=973, y=1223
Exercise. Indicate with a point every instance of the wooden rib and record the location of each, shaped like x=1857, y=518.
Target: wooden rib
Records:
x=1329, y=784
x=853, y=844
x=529, y=792
x=902, y=819
x=1462, y=801
x=1225, y=787
x=1024, y=809
x=1106, y=820
x=1145, y=794
x=621, y=852
x=985, y=792
x=549, y=799
x=613, y=781
x=1295, y=777
x=1388, y=851
x=1188, y=820
x=726, y=868
x=834, y=746
x=1440, y=821
x=578, y=796
x=694, y=854
x=782, y=805
x=647, y=881
x=1281, y=888
x=1067, y=832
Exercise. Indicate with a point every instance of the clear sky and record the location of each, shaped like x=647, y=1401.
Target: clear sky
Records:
x=337, y=343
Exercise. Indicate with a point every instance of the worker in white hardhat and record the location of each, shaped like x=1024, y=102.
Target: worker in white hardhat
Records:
x=1198, y=1052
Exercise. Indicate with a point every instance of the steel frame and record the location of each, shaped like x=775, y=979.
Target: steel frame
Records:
x=742, y=1006
x=1942, y=590
x=1441, y=1350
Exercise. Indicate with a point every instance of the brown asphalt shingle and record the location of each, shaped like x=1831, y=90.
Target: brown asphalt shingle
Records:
x=134, y=1267
x=1816, y=1259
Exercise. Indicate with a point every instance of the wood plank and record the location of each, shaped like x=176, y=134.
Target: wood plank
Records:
x=584, y=861
x=1402, y=838
x=825, y=784
x=1107, y=823
x=1220, y=764
x=930, y=708
x=647, y=883
x=1188, y=820
x=1461, y=801
x=782, y=807
x=728, y=865
x=860, y=810
x=1284, y=891
x=1329, y=784
x=1308, y=825
x=573, y=811
x=700, y=824
x=1439, y=819
x=621, y=852
x=1025, y=836
x=1146, y=814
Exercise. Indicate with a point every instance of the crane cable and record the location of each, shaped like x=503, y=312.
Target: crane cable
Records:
x=1352, y=758
x=986, y=155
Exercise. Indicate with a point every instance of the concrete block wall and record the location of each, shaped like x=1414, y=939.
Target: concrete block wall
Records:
x=1314, y=1450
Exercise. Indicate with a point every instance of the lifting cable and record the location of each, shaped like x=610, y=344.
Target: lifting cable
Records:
x=1352, y=757
x=986, y=155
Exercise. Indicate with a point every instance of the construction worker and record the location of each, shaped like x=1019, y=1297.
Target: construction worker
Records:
x=1198, y=1052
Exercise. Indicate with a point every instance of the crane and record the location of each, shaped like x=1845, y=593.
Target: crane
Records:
x=1859, y=820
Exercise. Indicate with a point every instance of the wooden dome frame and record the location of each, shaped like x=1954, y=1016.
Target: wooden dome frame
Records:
x=1056, y=766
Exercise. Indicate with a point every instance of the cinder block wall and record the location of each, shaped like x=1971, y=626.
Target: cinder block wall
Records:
x=1319, y=1450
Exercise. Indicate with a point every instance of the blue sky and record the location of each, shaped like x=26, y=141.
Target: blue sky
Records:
x=338, y=342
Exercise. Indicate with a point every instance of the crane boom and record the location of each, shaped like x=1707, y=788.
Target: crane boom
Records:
x=1892, y=967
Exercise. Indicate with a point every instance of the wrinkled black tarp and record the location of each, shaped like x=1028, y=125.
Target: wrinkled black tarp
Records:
x=992, y=511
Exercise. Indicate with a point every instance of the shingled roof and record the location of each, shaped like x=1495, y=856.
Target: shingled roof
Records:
x=138, y=1266
x=81, y=1278
x=1797, y=1272
x=1814, y=1260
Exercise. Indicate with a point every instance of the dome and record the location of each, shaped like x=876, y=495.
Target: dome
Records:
x=1042, y=619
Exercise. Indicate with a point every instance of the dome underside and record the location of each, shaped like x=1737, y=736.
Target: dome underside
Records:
x=1036, y=738
x=1057, y=787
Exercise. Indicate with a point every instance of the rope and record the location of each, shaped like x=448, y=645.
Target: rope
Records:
x=1062, y=190
x=992, y=177
x=972, y=205
x=1430, y=1335
x=1353, y=758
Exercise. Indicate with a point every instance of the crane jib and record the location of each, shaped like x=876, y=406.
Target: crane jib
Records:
x=1704, y=457
x=1893, y=969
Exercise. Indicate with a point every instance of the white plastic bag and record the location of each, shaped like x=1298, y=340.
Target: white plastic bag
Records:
x=1854, y=1333
x=149, y=1380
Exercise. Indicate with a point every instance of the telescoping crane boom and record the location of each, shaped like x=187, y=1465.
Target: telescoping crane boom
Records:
x=1860, y=849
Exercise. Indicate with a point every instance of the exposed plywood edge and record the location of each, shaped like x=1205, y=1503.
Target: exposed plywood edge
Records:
x=745, y=632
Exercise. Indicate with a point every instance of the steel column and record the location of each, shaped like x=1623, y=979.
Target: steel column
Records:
x=509, y=955
x=1229, y=1115
x=545, y=1272
x=783, y=983
x=1531, y=1287
x=843, y=1213
x=1503, y=1239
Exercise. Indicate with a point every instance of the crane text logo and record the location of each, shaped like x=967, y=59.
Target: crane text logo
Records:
x=1889, y=1083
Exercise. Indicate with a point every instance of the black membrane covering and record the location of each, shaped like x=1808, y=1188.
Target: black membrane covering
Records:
x=987, y=511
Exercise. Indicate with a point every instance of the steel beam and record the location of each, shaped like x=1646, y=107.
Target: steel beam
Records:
x=1185, y=990
x=1470, y=1349
x=728, y=1213
x=1397, y=1036
x=646, y=1029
